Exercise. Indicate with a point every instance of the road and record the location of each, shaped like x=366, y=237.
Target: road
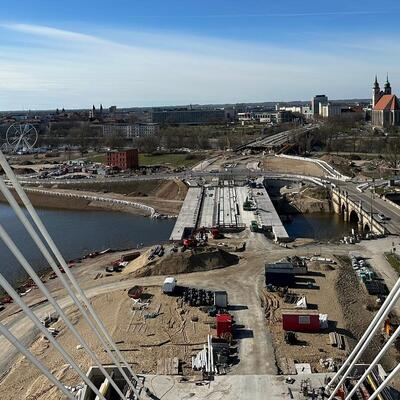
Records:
x=375, y=204
x=277, y=140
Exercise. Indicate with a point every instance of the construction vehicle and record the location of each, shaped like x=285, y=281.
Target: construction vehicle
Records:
x=197, y=237
x=189, y=242
x=215, y=233
x=248, y=205
x=254, y=226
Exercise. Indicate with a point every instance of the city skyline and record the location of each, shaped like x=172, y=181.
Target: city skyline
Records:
x=133, y=56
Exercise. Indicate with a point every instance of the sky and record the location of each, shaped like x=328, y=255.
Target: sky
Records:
x=128, y=53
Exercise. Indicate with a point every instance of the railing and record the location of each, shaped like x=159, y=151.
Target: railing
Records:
x=102, y=199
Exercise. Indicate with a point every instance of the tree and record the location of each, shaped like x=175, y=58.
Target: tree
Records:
x=393, y=151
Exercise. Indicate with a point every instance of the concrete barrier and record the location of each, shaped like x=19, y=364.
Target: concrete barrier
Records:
x=332, y=172
x=117, y=202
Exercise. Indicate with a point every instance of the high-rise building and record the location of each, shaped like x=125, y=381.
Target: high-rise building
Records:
x=316, y=103
x=330, y=110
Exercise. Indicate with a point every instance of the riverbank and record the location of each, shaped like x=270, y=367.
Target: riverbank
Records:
x=79, y=200
x=164, y=196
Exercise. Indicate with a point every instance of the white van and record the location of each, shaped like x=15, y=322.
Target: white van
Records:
x=169, y=285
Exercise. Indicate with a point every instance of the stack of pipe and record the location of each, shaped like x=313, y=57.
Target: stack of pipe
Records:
x=204, y=360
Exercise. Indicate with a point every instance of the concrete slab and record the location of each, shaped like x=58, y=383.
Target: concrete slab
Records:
x=209, y=208
x=189, y=214
x=268, y=215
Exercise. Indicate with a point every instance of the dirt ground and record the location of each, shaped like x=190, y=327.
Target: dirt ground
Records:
x=204, y=259
x=285, y=165
x=143, y=341
x=309, y=199
x=340, y=295
x=166, y=197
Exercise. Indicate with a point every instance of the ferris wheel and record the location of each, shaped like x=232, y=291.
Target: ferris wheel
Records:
x=21, y=137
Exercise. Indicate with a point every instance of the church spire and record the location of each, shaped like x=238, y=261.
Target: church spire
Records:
x=388, y=88
x=376, y=83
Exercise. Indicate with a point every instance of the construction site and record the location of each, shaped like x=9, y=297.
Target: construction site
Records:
x=230, y=307
x=227, y=206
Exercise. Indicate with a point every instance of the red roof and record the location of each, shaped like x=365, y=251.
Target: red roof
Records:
x=387, y=102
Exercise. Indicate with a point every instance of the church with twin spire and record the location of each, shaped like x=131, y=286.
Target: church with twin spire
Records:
x=385, y=106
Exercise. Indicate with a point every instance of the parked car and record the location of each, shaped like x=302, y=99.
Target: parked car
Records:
x=383, y=217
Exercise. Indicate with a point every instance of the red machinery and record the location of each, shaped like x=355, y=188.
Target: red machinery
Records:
x=224, y=326
x=190, y=242
x=215, y=233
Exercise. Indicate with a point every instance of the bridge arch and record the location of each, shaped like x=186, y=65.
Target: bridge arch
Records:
x=367, y=228
x=353, y=217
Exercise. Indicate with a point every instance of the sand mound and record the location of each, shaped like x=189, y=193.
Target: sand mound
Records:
x=179, y=263
x=138, y=263
x=337, y=162
x=172, y=190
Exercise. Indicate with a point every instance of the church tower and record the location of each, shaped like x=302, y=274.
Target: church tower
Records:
x=388, y=88
x=376, y=92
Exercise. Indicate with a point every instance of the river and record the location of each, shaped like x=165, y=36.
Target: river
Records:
x=77, y=233
x=320, y=226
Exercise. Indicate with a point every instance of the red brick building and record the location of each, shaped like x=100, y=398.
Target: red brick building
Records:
x=126, y=159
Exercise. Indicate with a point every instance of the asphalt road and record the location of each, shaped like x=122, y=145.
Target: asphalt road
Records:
x=377, y=205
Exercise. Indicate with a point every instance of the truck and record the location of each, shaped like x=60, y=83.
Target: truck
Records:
x=169, y=285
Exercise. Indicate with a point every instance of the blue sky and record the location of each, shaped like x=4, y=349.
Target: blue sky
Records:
x=140, y=53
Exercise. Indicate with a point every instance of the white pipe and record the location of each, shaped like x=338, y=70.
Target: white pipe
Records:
x=24, y=263
x=15, y=342
x=367, y=337
x=27, y=203
x=385, y=382
x=24, y=220
x=14, y=295
x=372, y=365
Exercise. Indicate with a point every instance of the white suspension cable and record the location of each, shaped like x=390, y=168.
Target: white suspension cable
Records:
x=366, y=338
x=376, y=360
x=24, y=220
x=27, y=203
x=14, y=295
x=24, y=263
x=385, y=382
x=39, y=365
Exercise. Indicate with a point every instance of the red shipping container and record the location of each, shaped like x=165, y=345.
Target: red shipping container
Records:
x=300, y=321
x=224, y=325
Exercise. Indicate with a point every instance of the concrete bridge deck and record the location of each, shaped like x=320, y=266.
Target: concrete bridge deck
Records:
x=222, y=206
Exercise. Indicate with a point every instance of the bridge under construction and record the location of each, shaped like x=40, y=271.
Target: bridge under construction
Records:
x=229, y=206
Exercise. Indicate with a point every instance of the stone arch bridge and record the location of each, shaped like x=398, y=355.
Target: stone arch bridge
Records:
x=355, y=212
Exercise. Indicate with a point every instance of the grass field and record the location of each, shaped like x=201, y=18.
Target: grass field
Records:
x=394, y=261
x=169, y=160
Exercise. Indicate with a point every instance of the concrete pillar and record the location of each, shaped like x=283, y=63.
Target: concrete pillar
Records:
x=346, y=215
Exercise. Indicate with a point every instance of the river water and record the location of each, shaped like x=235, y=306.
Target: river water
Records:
x=77, y=233
x=320, y=226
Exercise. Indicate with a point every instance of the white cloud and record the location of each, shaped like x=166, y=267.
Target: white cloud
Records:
x=71, y=69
